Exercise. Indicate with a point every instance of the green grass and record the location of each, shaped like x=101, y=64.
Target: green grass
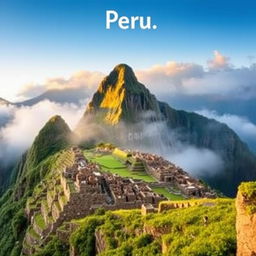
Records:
x=33, y=233
x=45, y=204
x=88, y=154
x=183, y=231
x=71, y=186
x=109, y=161
x=168, y=194
x=248, y=190
x=110, y=164
x=40, y=221
x=64, y=199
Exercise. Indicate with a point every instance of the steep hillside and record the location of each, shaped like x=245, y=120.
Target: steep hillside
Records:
x=125, y=109
x=35, y=164
x=240, y=162
x=127, y=232
x=54, y=136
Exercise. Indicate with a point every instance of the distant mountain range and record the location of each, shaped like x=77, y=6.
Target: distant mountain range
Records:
x=58, y=96
x=221, y=105
x=75, y=96
x=4, y=102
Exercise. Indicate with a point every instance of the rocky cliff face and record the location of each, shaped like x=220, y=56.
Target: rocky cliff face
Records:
x=121, y=97
x=127, y=111
x=246, y=219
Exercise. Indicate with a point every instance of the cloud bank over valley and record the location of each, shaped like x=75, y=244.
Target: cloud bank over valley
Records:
x=24, y=123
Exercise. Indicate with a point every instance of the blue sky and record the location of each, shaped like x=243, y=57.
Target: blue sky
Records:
x=49, y=38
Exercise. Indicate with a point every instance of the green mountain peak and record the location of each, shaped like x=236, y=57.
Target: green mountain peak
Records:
x=53, y=137
x=121, y=96
x=40, y=160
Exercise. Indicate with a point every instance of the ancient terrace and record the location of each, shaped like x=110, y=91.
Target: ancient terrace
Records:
x=76, y=190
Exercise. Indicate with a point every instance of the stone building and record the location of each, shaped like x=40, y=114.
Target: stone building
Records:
x=166, y=172
x=77, y=191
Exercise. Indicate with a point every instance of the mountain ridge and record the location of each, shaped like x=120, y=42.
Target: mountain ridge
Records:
x=57, y=95
x=52, y=137
x=120, y=98
x=29, y=172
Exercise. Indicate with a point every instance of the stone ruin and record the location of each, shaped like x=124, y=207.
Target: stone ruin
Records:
x=166, y=172
x=76, y=191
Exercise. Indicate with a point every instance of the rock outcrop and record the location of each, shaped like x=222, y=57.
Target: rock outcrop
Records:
x=121, y=96
x=246, y=219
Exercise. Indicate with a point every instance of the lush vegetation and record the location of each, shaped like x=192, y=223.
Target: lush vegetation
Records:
x=248, y=190
x=33, y=167
x=54, y=248
x=167, y=194
x=181, y=231
x=84, y=239
x=53, y=137
x=111, y=164
x=177, y=232
x=203, y=230
x=13, y=222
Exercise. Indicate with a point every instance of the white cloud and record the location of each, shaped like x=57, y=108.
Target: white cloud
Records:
x=156, y=137
x=198, y=162
x=6, y=111
x=241, y=125
x=82, y=79
x=232, y=83
x=169, y=77
x=219, y=61
x=221, y=80
x=26, y=122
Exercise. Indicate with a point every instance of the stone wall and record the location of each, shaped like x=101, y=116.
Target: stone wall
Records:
x=245, y=226
x=165, y=206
